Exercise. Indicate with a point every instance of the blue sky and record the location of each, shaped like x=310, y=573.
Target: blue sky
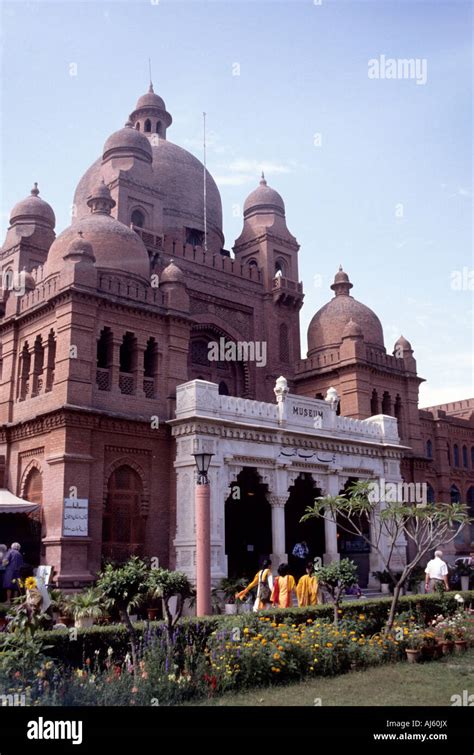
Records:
x=388, y=193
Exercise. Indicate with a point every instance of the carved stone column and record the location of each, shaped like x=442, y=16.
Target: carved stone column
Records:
x=277, y=502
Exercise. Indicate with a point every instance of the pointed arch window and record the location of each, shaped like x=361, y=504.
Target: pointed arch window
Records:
x=150, y=368
x=456, y=455
x=374, y=403
x=24, y=372
x=464, y=457
x=138, y=218
x=104, y=359
x=429, y=449
x=128, y=363
x=147, y=128
x=387, y=404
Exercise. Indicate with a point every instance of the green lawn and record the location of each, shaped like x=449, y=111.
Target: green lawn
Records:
x=398, y=684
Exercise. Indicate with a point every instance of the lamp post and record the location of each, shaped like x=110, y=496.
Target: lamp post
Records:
x=203, y=535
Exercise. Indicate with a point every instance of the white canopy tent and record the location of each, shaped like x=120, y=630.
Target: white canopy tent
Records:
x=11, y=504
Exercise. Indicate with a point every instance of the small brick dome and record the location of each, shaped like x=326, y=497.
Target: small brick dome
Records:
x=80, y=248
x=402, y=343
x=128, y=142
x=150, y=100
x=264, y=199
x=332, y=322
x=33, y=210
x=172, y=274
x=352, y=330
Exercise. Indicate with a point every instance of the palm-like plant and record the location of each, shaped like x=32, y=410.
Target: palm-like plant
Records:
x=86, y=604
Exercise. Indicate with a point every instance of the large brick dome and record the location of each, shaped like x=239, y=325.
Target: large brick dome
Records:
x=113, y=245
x=328, y=325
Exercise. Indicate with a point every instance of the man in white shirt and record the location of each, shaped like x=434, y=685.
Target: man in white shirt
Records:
x=436, y=573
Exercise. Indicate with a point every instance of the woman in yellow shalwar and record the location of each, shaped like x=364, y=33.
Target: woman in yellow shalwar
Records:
x=284, y=588
x=307, y=590
x=263, y=581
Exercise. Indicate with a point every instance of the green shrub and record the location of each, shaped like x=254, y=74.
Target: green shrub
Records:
x=194, y=632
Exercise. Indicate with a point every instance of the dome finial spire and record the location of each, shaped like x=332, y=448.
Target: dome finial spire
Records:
x=35, y=190
x=263, y=181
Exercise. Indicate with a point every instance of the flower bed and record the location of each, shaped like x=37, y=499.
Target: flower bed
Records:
x=209, y=656
x=73, y=652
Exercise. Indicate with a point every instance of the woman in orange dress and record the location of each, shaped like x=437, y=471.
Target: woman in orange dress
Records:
x=283, y=591
x=263, y=581
x=307, y=589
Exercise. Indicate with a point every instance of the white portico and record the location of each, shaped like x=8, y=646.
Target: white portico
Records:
x=279, y=444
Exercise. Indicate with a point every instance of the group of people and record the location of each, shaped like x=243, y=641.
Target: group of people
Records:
x=282, y=591
x=11, y=563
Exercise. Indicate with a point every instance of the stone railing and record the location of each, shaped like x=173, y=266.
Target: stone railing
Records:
x=201, y=398
x=294, y=413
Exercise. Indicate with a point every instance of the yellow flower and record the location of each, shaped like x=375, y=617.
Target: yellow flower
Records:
x=30, y=583
x=362, y=616
x=329, y=644
x=246, y=631
x=276, y=656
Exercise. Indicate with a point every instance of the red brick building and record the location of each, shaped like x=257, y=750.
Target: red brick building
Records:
x=101, y=323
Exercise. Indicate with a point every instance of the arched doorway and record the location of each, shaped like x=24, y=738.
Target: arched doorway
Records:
x=248, y=525
x=122, y=524
x=302, y=495
x=351, y=544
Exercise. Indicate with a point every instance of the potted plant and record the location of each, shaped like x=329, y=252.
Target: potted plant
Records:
x=229, y=588
x=413, y=647
x=385, y=580
x=460, y=640
x=58, y=605
x=464, y=573
x=429, y=647
x=417, y=580
x=85, y=607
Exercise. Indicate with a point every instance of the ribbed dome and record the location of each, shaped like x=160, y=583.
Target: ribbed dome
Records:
x=264, y=199
x=115, y=246
x=331, y=322
x=33, y=210
x=128, y=142
x=172, y=274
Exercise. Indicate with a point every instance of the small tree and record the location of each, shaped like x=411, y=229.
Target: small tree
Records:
x=335, y=578
x=424, y=525
x=124, y=588
x=166, y=584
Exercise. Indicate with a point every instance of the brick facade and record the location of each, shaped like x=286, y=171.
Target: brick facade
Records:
x=104, y=321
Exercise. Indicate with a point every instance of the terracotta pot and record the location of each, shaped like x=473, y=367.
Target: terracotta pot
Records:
x=413, y=656
x=84, y=622
x=152, y=614
x=66, y=620
x=428, y=652
x=447, y=647
x=460, y=646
